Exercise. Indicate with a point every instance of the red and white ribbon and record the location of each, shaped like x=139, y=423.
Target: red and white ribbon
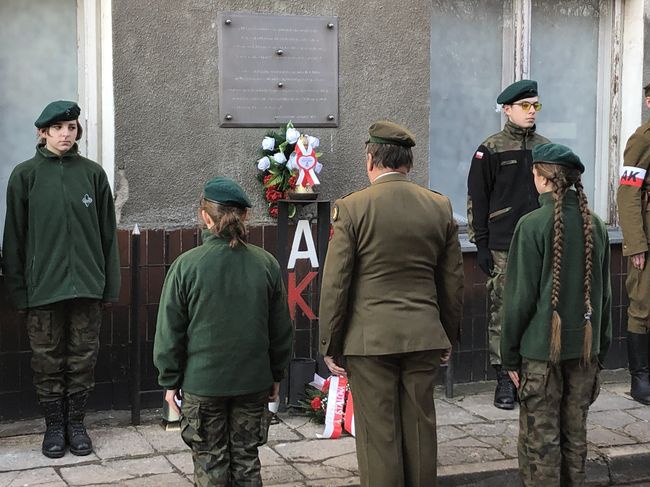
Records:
x=306, y=161
x=348, y=416
x=334, y=411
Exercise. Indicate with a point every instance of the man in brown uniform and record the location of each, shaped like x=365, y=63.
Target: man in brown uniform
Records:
x=634, y=217
x=391, y=303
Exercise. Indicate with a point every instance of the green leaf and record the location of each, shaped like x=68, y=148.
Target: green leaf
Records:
x=273, y=181
x=318, y=154
x=292, y=211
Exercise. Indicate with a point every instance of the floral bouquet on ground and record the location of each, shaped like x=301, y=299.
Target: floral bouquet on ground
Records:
x=315, y=402
x=288, y=162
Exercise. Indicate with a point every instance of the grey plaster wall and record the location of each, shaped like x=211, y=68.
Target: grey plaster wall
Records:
x=168, y=140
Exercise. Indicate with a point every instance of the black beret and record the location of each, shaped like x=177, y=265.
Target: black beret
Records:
x=557, y=154
x=58, y=111
x=387, y=132
x=524, y=88
x=225, y=191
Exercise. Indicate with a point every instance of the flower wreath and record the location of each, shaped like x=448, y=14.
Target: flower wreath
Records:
x=278, y=169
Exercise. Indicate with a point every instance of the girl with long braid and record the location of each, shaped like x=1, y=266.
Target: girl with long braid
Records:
x=557, y=320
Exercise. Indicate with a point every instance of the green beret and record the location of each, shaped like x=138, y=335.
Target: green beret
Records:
x=225, y=191
x=58, y=111
x=557, y=154
x=386, y=132
x=525, y=88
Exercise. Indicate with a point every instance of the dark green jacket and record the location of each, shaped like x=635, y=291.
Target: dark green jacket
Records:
x=60, y=239
x=500, y=187
x=223, y=322
x=527, y=312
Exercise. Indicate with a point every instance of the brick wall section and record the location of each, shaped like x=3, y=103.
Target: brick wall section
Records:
x=158, y=249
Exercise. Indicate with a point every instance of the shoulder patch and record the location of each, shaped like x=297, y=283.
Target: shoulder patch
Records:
x=478, y=154
x=632, y=176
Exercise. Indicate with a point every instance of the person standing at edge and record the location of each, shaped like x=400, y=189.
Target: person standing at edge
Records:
x=500, y=190
x=224, y=337
x=61, y=262
x=391, y=303
x=634, y=217
x=557, y=324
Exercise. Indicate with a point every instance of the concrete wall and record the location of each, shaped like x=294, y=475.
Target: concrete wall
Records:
x=168, y=141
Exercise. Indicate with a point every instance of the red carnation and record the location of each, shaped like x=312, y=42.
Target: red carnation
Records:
x=292, y=182
x=267, y=178
x=273, y=194
x=273, y=211
x=316, y=403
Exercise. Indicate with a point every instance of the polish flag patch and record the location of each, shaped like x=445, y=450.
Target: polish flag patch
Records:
x=479, y=154
x=632, y=176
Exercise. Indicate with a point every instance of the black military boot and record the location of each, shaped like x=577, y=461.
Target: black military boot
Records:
x=78, y=439
x=54, y=439
x=637, y=354
x=505, y=394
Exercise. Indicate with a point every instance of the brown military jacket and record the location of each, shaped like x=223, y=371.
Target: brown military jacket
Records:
x=633, y=212
x=393, y=276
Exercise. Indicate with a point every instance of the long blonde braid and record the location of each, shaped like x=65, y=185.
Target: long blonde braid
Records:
x=589, y=252
x=562, y=179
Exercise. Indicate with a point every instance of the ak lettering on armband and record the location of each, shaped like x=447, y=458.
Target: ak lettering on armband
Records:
x=632, y=176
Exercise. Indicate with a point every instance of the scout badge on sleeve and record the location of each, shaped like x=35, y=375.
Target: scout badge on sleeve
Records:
x=632, y=176
x=306, y=161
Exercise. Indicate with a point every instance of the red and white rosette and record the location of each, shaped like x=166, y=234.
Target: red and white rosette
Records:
x=306, y=161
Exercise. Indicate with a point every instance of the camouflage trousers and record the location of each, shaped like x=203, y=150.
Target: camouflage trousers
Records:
x=638, y=290
x=224, y=434
x=554, y=402
x=495, y=284
x=64, y=338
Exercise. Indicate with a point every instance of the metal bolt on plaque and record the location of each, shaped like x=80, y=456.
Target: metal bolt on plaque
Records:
x=330, y=25
x=330, y=117
x=228, y=22
x=228, y=116
x=279, y=52
x=280, y=85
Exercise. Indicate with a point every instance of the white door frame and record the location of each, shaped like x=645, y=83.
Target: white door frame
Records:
x=95, y=60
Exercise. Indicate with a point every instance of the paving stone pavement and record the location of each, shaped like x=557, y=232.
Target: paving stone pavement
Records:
x=477, y=446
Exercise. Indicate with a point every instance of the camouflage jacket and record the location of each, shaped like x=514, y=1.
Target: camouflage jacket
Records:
x=500, y=187
x=632, y=196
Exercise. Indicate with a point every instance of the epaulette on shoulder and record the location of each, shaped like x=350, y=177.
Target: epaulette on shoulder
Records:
x=343, y=197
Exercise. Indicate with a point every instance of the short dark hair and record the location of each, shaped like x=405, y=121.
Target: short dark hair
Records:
x=390, y=156
x=646, y=90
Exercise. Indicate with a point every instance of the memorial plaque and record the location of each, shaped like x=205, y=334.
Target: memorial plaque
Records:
x=277, y=68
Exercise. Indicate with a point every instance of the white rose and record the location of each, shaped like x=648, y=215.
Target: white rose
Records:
x=292, y=135
x=268, y=143
x=263, y=164
x=319, y=167
x=292, y=165
x=280, y=158
x=313, y=141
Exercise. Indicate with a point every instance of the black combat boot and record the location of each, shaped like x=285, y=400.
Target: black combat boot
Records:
x=505, y=394
x=54, y=439
x=78, y=439
x=637, y=354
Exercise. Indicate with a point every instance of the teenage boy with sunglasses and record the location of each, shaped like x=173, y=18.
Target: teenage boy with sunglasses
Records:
x=500, y=191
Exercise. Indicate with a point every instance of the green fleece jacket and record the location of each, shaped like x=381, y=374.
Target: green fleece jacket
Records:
x=60, y=239
x=526, y=328
x=223, y=321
